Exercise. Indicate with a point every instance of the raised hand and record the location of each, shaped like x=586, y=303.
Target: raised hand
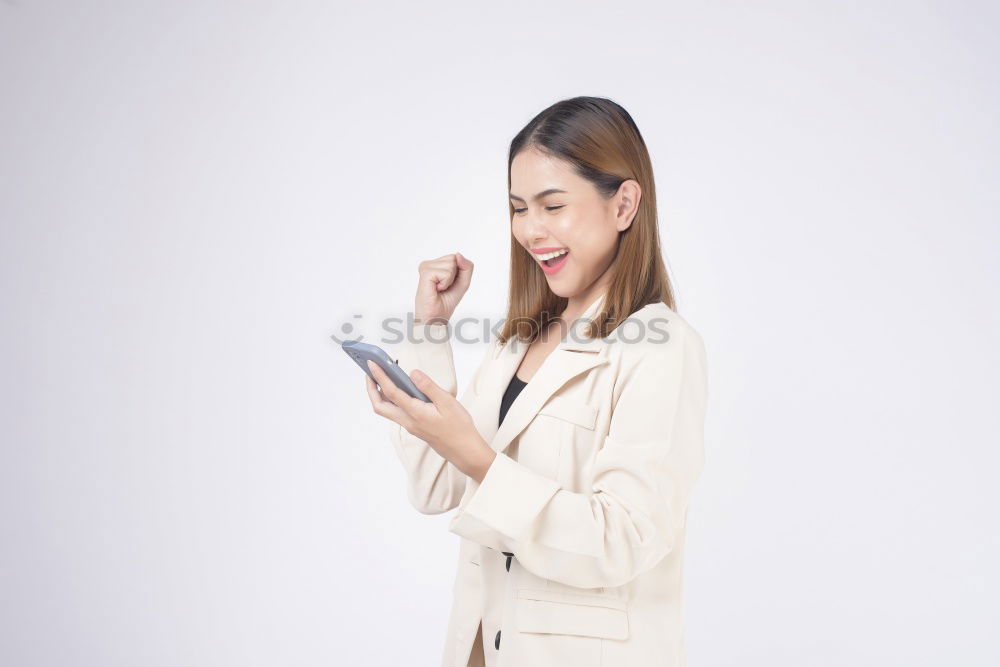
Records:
x=441, y=285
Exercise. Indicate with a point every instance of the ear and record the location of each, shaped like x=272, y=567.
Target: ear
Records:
x=629, y=195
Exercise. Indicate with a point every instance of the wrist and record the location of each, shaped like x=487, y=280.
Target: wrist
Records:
x=430, y=320
x=481, y=463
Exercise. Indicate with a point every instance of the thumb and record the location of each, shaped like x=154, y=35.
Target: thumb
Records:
x=465, y=267
x=428, y=386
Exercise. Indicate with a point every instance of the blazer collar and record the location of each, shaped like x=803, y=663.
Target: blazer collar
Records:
x=574, y=340
x=574, y=355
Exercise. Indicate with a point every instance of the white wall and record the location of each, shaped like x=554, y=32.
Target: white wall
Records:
x=194, y=195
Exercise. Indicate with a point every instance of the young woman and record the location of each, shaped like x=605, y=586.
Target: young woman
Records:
x=572, y=454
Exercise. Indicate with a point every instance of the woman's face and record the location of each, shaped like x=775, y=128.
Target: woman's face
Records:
x=568, y=214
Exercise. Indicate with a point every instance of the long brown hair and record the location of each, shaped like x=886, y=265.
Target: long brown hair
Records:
x=600, y=139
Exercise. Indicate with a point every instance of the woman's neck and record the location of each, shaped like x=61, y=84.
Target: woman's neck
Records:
x=577, y=305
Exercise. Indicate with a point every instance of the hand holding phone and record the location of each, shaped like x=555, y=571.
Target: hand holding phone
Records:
x=361, y=353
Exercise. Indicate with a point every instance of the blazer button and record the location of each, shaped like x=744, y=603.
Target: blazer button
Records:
x=496, y=642
x=509, y=555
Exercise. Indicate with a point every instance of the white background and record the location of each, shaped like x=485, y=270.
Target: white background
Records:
x=196, y=194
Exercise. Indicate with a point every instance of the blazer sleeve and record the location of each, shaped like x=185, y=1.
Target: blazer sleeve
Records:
x=434, y=485
x=642, y=480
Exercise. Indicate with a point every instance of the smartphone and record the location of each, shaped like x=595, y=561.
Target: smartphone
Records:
x=362, y=352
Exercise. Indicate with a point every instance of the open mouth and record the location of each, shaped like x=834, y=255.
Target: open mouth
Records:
x=553, y=261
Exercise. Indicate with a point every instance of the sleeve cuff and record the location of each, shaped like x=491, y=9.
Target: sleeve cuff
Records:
x=428, y=347
x=501, y=511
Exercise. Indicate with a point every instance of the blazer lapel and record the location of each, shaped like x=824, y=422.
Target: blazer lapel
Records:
x=575, y=354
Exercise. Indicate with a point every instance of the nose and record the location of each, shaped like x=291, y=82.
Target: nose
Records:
x=534, y=230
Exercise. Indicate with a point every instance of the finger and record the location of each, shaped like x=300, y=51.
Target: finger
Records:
x=430, y=388
x=391, y=391
x=373, y=393
x=433, y=281
x=465, y=268
x=443, y=278
x=444, y=263
x=442, y=271
x=383, y=407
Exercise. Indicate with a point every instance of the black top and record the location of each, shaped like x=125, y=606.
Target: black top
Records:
x=513, y=389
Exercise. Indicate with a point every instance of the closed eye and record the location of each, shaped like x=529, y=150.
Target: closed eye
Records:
x=547, y=208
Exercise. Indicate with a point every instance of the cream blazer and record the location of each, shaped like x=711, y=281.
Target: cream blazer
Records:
x=572, y=546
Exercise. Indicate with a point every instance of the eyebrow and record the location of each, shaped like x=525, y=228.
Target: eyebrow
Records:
x=543, y=193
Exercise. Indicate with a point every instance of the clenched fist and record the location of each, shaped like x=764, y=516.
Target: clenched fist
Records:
x=441, y=285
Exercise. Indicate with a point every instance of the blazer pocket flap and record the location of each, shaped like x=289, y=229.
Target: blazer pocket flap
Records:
x=570, y=410
x=544, y=611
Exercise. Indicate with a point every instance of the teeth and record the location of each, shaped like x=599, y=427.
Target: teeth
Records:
x=550, y=255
